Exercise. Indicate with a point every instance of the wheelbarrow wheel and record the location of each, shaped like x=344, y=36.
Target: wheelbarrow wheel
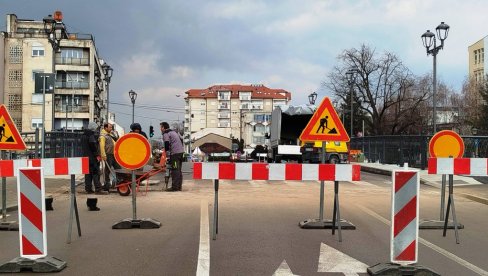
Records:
x=123, y=190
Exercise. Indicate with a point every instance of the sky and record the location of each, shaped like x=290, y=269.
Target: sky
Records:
x=162, y=48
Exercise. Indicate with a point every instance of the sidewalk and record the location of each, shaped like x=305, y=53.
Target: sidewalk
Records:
x=465, y=186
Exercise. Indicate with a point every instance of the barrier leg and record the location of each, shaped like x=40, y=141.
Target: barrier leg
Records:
x=73, y=209
x=337, y=211
x=451, y=201
x=443, y=197
x=216, y=210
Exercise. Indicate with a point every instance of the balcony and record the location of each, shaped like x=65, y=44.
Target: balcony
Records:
x=224, y=124
x=224, y=105
x=76, y=109
x=72, y=85
x=223, y=115
x=72, y=61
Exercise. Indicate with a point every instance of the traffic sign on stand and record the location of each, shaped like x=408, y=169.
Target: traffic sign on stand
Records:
x=32, y=232
x=9, y=135
x=404, y=228
x=324, y=125
x=132, y=151
x=446, y=143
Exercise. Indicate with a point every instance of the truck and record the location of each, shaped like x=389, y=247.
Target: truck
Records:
x=287, y=123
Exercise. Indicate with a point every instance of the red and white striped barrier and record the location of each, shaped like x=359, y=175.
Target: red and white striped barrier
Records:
x=289, y=171
x=52, y=166
x=404, y=217
x=32, y=213
x=458, y=166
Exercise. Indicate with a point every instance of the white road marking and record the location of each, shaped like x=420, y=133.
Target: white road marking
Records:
x=284, y=270
x=333, y=260
x=434, y=247
x=203, y=266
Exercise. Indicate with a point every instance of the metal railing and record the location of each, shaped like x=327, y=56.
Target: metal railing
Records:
x=411, y=149
x=57, y=144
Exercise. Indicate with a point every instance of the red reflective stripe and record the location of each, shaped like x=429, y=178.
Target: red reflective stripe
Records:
x=28, y=248
x=31, y=212
x=408, y=254
x=34, y=176
x=401, y=178
x=260, y=171
x=6, y=168
x=36, y=162
x=405, y=216
x=227, y=171
x=356, y=172
x=432, y=166
x=462, y=166
x=85, y=166
x=197, y=170
x=327, y=172
x=61, y=166
x=293, y=171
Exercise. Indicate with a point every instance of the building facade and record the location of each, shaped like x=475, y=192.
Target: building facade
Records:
x=233, y=111
x=76, y=96
x=477, y=61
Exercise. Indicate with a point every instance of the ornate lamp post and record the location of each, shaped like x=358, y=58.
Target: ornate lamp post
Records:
x=428, y=39
x=312, y=97
x=133, y=97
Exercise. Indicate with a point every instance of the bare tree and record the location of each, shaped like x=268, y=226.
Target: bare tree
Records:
x=386, y=92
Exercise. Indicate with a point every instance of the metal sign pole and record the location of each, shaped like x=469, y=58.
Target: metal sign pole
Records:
x=133, y=184
x=216, y=210
x=450, y=200
x=4, y=193
x=337, y=212
x=443, y=196
x=321, y=211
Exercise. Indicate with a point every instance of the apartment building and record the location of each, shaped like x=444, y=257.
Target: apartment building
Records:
x=75, y=96
x=477, y=62
x=233, y=111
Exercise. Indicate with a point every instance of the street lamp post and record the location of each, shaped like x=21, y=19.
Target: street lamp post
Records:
x=133, y=97
x=108, y=76
x=312, y=97
x=428, y=39
x=56, y=31
x=351, y=79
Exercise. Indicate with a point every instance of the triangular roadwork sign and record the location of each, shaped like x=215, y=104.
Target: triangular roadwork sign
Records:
x=324, y=125
x=10, y=138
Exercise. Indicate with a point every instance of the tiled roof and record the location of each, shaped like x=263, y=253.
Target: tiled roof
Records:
x=258, y=92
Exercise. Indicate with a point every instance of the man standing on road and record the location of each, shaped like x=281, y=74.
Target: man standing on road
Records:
x=173, y=145
x=107, y=145
x=89, y=145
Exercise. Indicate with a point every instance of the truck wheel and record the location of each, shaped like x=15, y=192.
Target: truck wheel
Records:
x=334, y=159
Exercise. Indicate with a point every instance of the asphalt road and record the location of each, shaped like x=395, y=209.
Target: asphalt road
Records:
x=258, y=230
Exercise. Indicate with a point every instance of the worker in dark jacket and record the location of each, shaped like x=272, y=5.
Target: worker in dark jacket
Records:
x=136, y=128
x=89, y=145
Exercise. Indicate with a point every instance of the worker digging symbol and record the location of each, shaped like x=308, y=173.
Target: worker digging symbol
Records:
x=323, y=126
x=2, y=134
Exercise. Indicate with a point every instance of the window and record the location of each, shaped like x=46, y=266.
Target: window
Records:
x=245, y=96
x=36, y=123
x=67, y=53
x=37, y=50
x=475, y=56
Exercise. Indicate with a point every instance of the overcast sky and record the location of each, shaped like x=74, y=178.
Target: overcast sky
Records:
x=161, y=48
